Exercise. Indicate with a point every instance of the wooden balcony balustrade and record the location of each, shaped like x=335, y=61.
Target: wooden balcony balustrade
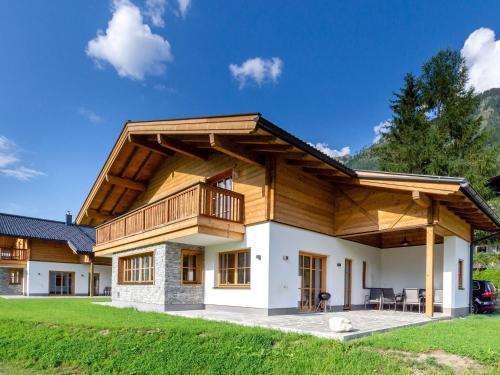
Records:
x=13, y=254
x=199, y=199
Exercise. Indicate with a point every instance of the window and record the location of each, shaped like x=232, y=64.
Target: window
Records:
x=364, y=275
x=460, y=274
x=221, y=203
x=15, y=277
x=191, y=264
x=222, y=180
x=234, y=268
x=137, y=269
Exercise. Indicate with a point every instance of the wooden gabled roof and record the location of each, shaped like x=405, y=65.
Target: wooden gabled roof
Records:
x=142, y=146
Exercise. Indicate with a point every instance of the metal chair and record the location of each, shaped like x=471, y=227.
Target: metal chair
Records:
x=388, y=297
x=375, y=298
x=411, y=297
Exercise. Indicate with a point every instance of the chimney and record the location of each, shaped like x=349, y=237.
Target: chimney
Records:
x=69, y=218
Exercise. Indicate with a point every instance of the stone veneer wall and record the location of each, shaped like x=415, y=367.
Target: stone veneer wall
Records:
x=167, y=292
x=5, y=287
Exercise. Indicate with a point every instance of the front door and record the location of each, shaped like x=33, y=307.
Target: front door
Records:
x=61, y=283
x=347, y=284
x=96, y=284
x=312, y=273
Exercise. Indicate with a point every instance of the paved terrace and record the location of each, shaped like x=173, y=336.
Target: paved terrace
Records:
x=365, y=322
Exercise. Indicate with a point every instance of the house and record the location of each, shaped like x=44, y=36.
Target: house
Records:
x=40, y=257
x=233, y=212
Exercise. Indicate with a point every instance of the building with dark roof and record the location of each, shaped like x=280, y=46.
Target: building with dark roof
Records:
x=48, y=257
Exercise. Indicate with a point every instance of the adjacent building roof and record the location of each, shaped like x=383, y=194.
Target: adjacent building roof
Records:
x=80, y=238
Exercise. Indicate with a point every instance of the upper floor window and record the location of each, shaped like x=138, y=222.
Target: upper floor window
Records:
x=15, y=277
x=191, y=264
x=234, y=268
x=222, y=180
x=136, y=269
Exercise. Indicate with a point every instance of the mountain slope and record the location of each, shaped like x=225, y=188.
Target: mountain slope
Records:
x=489, y=109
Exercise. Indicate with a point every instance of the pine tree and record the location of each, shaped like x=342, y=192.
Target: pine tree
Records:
x=435, y=129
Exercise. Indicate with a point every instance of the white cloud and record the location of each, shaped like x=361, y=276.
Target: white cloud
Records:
x=183, y=6
x=21, y=173
x=93, y=117
x=482, y=55
x=324, y=148
x=129, y=45
x=9, y=162
x=258, y=70
x=155, y=10
x=380, y=129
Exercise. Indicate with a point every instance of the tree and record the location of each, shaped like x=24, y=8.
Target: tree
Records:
x=435, y=128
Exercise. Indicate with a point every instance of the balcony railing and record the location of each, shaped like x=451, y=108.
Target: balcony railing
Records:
x=199, y=199
x=13, y=254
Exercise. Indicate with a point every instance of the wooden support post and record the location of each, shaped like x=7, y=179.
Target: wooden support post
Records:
x=429, y=271
x=91, y=284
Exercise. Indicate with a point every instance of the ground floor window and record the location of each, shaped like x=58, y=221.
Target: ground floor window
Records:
x=191, y=264
x=15, y=277
x=61, y=283
x=234, y=268
x=136, y=269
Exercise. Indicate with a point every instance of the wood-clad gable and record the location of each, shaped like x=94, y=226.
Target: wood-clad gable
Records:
x=281, y=178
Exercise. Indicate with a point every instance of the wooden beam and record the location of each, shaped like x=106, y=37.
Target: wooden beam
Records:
x=125, y=182
x=236, y=151
x=94, y=214
x=321, y=171
x=429, y=270
x=303, y=163
x=270, y=147
x=181, y=147
x=421, y=199
x=253, y=138
x=151, y=146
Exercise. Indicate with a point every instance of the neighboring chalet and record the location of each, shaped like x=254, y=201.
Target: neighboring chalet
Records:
x=234, y=212
x=41, y=257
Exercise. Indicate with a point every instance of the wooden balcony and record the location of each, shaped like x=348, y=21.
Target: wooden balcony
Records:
x=13, y=255
x=197, y=209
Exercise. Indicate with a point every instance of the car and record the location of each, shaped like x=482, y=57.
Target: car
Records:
x=483, y=296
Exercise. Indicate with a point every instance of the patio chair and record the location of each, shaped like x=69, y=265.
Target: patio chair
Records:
x=411, y=297
x=388, y=297
x=375, y=298
x=438, y=298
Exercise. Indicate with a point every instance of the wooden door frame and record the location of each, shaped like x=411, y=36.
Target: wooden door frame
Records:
x=72, y=283
x=348, y=287
x=323, y=275
x=94, y=284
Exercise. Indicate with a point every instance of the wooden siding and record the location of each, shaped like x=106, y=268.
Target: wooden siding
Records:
x=362, y=210
x=52, y=251
x=180, y=171
x=302, y=200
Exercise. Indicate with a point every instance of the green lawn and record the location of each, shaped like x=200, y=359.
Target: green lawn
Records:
x=75, y=336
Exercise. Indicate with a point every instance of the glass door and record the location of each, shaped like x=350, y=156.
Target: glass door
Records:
x=61, y=283
x=312, y=274
x=347, y=284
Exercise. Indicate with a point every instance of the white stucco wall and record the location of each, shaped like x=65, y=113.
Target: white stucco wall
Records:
x=104, y=277
x=404, y=267
x=257, y=239
x=284, y=281
x=455, y=248
x=38, y=276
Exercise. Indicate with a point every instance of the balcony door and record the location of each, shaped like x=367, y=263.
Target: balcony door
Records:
x=312, y=273
x=221, y=204
x=61, y=283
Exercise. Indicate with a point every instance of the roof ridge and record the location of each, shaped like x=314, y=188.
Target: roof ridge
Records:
x=32, y=217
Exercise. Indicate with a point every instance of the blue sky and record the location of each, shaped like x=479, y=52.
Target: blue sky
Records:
x=63, y=101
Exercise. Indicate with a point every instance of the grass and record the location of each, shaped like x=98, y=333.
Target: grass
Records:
x=75, y=336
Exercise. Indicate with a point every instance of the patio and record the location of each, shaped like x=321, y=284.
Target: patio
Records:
x=365, y=322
